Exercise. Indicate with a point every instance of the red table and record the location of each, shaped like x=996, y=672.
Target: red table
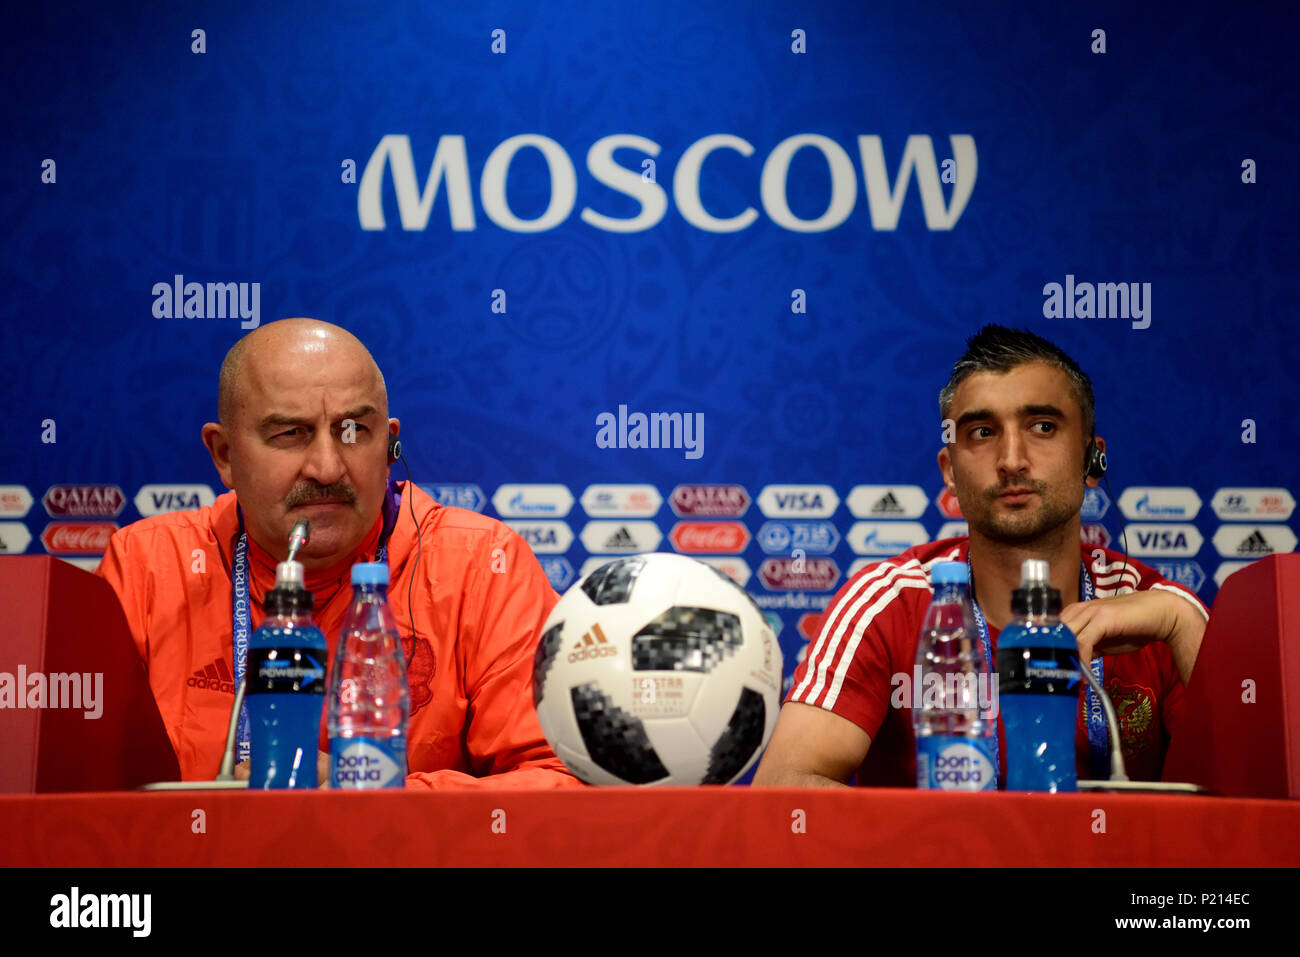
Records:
x=677, y=827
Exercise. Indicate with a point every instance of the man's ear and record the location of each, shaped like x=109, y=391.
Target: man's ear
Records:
x=945, y=467
x=218, y=446
x=393, y=446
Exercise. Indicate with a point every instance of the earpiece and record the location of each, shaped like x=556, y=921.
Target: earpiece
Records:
x=1094, y=460
x=394, y=449
x=1094, y=466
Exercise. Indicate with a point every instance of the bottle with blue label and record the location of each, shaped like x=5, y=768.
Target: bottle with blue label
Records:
x=954, y=697
x=369, y=703
x=285, y=686
x=1039, y=683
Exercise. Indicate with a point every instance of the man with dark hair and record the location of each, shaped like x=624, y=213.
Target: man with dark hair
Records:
x=1020, y=449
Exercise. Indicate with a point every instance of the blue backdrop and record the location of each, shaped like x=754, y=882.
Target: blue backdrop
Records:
x=771, y=282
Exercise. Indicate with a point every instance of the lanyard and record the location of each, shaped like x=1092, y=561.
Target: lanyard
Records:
x=239, y=601
x=1098, y=750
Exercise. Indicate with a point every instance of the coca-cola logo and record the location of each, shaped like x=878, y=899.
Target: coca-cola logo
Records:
x=737, y=569
x=810, y=624
x=77, y=538
x=729, y=501
x=715, y=537
x=106, y=501
x=948, y=505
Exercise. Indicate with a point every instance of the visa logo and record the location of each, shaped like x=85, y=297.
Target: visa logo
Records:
x=536, y=537
x=798, y=500
x=174, y=501
x=1162, y=540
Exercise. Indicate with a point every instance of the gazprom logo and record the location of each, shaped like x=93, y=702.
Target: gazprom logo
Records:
x=449, y=175
x=532, y=500
x=885, y=538
x=1171, y=503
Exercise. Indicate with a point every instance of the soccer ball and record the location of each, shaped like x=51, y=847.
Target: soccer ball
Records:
x=657, y=670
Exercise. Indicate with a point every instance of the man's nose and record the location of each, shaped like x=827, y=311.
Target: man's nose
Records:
x=1011, y=453
x=324, y=464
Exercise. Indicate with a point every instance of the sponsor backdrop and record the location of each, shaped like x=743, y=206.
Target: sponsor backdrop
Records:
x=664, y=276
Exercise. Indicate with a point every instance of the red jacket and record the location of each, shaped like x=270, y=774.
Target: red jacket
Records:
x=479, y=600
x=869, y=635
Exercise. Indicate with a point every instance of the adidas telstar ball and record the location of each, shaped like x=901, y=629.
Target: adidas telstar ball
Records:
x=658, y=670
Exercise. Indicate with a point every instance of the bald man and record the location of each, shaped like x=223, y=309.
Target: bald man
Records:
x=303, y=431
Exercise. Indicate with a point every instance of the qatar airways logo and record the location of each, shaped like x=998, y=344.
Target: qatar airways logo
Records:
x=449, y=175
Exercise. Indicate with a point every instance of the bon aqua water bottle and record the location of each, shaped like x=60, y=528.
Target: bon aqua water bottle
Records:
x=1039, y=684
x=369, y=704
x=285, y=686
x=954, y=708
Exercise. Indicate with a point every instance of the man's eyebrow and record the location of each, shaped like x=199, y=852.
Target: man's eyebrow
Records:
x=360, y=412
x=979, y=415
x=974, y=415
x=277, y=419
x=1027, y=410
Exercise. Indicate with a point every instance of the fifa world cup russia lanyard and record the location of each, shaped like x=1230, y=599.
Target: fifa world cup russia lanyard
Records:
x=1098, y=743
x=239, y=617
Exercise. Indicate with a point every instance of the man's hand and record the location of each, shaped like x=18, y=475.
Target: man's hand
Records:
x=1115, y=626
x=322, y=769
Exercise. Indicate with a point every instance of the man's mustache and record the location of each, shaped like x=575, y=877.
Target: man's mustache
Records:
x=1037, y=486
x=307, y=494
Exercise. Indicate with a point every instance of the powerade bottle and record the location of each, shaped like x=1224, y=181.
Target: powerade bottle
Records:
x=369, y=701
x=285, y=686
x=954, y=705
x=1039, y=683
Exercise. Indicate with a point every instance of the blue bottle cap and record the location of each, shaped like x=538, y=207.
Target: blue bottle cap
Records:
x=949, y=573
x=370, y=573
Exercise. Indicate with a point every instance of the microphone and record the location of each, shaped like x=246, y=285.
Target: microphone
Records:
x=299, y=535
x=227, y=773
x=1119, y=780
x=225, y=778
x=1117, y=772
x=288, y=574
